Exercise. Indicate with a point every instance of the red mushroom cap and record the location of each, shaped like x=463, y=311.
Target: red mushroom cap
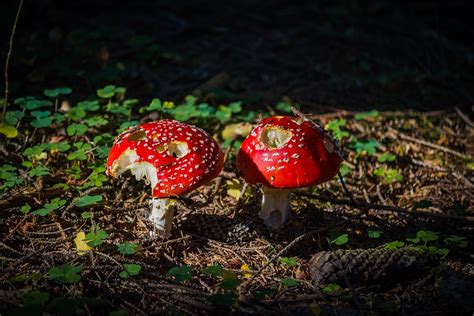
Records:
x=183, y=156
x=286, y=152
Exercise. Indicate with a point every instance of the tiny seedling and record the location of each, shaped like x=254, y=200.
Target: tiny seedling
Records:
x=340, y=240
x=331, y=288
x=130, y=269
x=128, y=248
x=87, y=200
x=289, y=261
x=55, y=204
x=65, y=273
x=96, y=237
x=289, y=282
x=180, y=274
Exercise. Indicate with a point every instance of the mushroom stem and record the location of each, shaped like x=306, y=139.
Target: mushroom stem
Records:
x=276, y=207
x=162, y=212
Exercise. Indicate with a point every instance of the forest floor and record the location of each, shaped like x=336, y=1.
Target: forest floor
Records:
x=72, y=239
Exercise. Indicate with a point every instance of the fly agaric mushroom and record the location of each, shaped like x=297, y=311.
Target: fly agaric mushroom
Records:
x=173, y=157
x=284, y=153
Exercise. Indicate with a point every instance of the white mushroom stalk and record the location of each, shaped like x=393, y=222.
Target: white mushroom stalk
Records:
x=276, y=208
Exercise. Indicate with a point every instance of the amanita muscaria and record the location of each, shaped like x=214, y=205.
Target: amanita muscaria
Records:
x=284, y=153
x=173, y=157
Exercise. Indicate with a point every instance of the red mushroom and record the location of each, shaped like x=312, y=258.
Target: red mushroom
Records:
x=284, y=153
x=173, y=157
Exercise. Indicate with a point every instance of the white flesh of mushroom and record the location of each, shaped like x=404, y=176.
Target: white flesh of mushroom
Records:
x=162, y=209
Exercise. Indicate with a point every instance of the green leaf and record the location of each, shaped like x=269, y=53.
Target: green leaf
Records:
x=223, y=113
x=35, y=297
x=340, y=240
x=215, y=270
x=344, y=170
x=226, y=299
x=386, y=157
x=180, y=274
x=331, y=287
x=128, y=248
x=184, y=112
x=86, y=215
x=76, y=113
x=41, y=114
x=58, y=118
x=454, y=241
x=132, y=268
x=65, y=273
x=6, y=172
x=96, y=238
x=373, y=233
x=289, y=282
x=31, y=103
x=25, y=209
x=427, y=235
x=379, y=172
x=8, y=130
x=96, y=121
x=87, y=200
x=38, y=171
x=235, y=107
x=229, y=281
x=106, y=92
x=155, y=105
x=392, y=175
x=55, y=204
x=366, y=115
x=61, y=146
x=284, y=107
x=90, y=106
x=76, y=129
x=289, y=261
x=335, y=127
x=368, y=147
x=42, y=122
x=335, y=124
x=126, y=125
x=13, y=117
x=53, y=93
x=262, y=294
x=124, y=274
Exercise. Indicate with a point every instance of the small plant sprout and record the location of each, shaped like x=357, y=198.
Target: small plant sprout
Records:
x=173, y=158
x=284, y=153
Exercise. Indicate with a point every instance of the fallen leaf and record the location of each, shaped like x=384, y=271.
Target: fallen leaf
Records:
x=81, y=246
x=245, y=267
x=233, y=131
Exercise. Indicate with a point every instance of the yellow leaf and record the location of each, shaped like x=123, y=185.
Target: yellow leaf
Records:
x=245, y=267
x=81, y=246
x=234, y=187
x=315, y=309
x=8, y=131
x=232, y=131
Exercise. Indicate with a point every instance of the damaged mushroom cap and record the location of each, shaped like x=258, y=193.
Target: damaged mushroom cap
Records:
x=285, y=152
x=173, y=157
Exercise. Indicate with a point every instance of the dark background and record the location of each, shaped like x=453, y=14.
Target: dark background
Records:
x=324, y=55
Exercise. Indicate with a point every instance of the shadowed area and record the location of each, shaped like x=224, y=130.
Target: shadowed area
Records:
x=323, y=55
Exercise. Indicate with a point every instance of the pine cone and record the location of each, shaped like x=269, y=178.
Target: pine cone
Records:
x=365, y=266
x=220, y=228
